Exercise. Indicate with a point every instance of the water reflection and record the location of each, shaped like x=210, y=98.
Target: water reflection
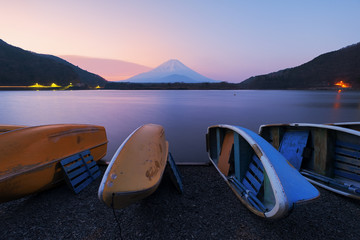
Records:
x=185, y=115
x=337, y=100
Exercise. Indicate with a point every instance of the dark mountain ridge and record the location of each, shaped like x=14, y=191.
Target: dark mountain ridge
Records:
x=19, y=67
x=320, y=73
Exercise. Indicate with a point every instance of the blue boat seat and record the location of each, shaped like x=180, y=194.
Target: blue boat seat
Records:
x=80, y=170
x=292, y=147
x=347, y=160
x=254, y=177
x=174, y=173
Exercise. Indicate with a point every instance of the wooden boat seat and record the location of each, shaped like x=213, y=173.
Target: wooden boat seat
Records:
x=254, y=177
x=80, y=170
x=251, y=183
x=227, y=146
x=347, y=160
x=292, y=147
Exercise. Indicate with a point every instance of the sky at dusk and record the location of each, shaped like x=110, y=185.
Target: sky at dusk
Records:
x=229, y=40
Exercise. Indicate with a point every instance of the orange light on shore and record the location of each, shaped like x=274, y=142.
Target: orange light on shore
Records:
x=342, y=84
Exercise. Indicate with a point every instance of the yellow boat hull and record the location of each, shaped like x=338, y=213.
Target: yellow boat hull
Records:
x=136, y=169
x=29, y=160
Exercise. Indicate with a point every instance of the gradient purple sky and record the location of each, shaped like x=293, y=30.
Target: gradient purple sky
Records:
x=228, y=40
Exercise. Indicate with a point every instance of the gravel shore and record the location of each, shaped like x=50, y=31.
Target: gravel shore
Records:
x=206, y=210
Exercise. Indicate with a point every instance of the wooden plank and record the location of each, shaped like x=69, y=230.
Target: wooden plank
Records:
x=237, y=150
x=321, y=160
x=218, y=144
x=85, y=153
x=347, y=167
x=80, y=170
x=257, y=203
x=77, y=172
x=347, y=152
x=253, y=181
x=248, y=186
x=94, y=169
x=348, y=145
x=346, y=174
x=275, y=137
x=91, y=164
x=70, y=159
x=86, y=157
x=258, y=173
x=258, y=162
x=224, y=157
x=347, y=160
x=327, y=180
x=88, y=162
x=250, y=196
x=74, y=165
x=80, y=178
x=292, y=146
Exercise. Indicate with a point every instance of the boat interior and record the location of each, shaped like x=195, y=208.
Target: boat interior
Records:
x=323, y=155
x=241, y=168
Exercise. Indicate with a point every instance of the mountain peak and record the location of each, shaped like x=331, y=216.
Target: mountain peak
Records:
x=166, y=72
x=171, y=66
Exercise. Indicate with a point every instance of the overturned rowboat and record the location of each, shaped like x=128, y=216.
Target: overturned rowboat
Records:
x=136, y=169
x=256, y=172
x=30, y=156
x=328, y=156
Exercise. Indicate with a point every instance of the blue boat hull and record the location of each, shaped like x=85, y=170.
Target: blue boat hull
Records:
x=256, y=172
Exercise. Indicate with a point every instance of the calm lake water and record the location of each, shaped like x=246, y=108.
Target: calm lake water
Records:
x=185, y=115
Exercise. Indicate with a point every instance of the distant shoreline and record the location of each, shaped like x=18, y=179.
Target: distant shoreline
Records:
x=26, y=88
x=203, y=86
x=166, y=86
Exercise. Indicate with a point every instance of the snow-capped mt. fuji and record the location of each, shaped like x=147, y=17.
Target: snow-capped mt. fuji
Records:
x=170, y=72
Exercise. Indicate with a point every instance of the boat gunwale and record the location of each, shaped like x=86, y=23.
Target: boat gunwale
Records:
x=333, y=189
x=35, y=168
x=343, y=123
x=75, y=125
x=313, y=125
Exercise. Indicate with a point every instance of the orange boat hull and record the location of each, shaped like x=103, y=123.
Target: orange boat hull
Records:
x=30, y=157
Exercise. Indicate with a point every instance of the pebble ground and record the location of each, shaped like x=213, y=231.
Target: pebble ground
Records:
x=206, y=210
